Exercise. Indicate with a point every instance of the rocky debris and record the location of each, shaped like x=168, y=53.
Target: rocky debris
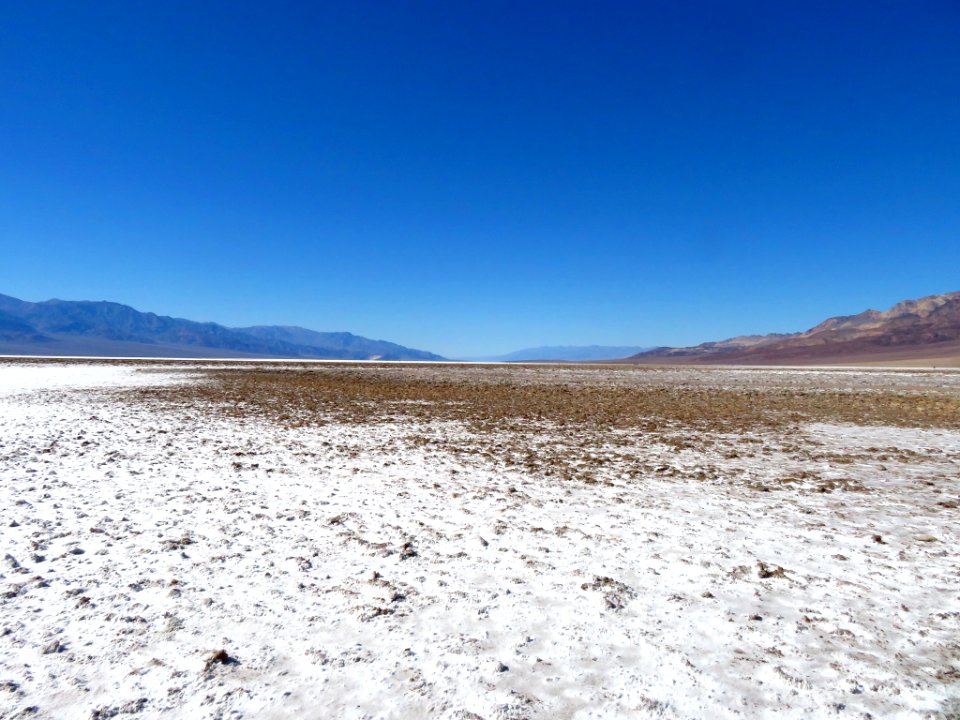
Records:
x=177, y=543
x=765, y=571
x=467, y=715
x=13, y=591
x=615, y=593
x=131, y=708
x=369, y=613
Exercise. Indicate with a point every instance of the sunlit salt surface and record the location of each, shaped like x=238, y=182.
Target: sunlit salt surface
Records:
x=349, y=573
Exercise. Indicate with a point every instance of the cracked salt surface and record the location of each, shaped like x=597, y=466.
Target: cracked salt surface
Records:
x=349, y=573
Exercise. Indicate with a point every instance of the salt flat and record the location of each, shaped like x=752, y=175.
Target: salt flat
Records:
x=477, y=542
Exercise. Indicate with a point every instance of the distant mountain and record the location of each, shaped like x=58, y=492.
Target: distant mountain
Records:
x=566, y=353
x=340, y=342
x=927, y=328
x=59, y=328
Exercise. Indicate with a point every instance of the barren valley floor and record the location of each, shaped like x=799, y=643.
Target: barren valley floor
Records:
x=276, y=540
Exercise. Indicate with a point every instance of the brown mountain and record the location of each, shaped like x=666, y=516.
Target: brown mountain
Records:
x=913, y=330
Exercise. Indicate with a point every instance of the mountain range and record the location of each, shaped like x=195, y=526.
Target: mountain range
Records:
x=927, y=329
x=62, y=327
x=924, y=329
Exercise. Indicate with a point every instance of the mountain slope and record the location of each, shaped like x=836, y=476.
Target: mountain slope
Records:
x=341, y=342
x=15, y=330
x=924, y=328
x=58, y=327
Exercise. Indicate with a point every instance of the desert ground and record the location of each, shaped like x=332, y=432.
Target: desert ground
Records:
x=322, y=540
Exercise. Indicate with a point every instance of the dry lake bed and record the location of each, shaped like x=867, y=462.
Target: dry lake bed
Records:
x=284, y=540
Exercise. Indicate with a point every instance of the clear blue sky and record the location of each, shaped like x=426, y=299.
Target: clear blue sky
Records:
x=471, y=178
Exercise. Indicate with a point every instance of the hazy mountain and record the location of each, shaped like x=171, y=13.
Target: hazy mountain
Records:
x=59, y=327
x=927, y=328
x=341, y=342
x=566, y=353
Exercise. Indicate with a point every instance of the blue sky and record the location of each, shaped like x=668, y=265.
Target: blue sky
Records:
x=471, y=178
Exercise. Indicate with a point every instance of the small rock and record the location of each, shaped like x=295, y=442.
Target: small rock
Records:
x=173, y=624
x=706, y=594
x=501, y=667
x=879, y=540
x=53, y=647
x=220, y=657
